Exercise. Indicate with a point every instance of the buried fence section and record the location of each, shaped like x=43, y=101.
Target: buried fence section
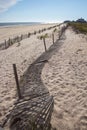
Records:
x=34, y=114
x=2, y=45
x=62, y=30
x=44, y=116
x=11, y=41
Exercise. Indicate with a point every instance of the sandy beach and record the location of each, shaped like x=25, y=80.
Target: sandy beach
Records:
x=12, y=31
x=65, y=74
x=25, y=54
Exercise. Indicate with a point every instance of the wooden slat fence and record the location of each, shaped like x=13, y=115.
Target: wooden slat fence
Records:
x=11, y=41
x=32, y=114
x=33, y=111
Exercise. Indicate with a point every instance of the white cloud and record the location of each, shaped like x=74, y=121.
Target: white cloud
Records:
x=5, y=4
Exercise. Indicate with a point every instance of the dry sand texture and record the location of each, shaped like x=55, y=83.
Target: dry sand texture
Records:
x=23, y=55
x=65, y=75
x=12, y=31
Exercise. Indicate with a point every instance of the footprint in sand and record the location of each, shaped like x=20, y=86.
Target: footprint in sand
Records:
x=82, y=123
x=62, y=125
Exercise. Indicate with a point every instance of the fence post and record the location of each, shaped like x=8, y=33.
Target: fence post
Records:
x=17, y=38
x=44, y=44
x=21, y=36
x=60, y=34
x=17, y=82
x=5, y=44
x=9, y=42
x=53, y=38
x=29, y=35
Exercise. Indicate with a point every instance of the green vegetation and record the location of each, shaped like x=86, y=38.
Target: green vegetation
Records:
x=43, y=37
x=81, y=27
x=55, y=30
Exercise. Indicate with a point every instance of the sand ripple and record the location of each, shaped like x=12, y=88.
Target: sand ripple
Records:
x=65, y=75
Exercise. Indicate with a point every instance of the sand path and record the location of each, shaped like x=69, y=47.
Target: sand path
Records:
x=65, y=75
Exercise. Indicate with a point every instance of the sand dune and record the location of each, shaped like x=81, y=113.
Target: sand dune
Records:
x=12, y=31
x=23, y=55
x=65, y=75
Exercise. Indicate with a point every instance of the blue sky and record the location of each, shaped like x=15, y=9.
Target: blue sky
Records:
x=42, y=10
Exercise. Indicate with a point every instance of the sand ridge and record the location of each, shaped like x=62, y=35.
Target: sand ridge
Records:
x=13, y=31
x=65, y=75
x=23, y=55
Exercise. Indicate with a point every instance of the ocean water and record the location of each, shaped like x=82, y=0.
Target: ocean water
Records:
x=19, y=23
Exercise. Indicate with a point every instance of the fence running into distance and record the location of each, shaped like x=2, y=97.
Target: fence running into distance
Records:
x=7, y=43
x=33, y=111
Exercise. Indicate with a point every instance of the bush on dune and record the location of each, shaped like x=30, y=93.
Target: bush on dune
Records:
x=81, y=27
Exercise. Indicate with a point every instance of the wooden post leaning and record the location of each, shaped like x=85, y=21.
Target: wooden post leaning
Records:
x=17, y=82
x=53, y=37
x=5, y=44
x=44, y=44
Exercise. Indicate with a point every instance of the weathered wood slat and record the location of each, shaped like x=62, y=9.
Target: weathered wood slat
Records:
x=35, y=114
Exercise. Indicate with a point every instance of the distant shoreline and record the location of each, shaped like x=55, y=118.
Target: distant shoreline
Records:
x=7, y=32
x=9, y=24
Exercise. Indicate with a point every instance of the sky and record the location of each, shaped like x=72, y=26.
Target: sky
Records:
x=42, y=10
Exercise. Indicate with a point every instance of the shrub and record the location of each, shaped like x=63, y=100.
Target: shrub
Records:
x=81, y=27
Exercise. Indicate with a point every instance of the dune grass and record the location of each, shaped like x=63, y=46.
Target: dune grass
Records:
x=81, y=27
